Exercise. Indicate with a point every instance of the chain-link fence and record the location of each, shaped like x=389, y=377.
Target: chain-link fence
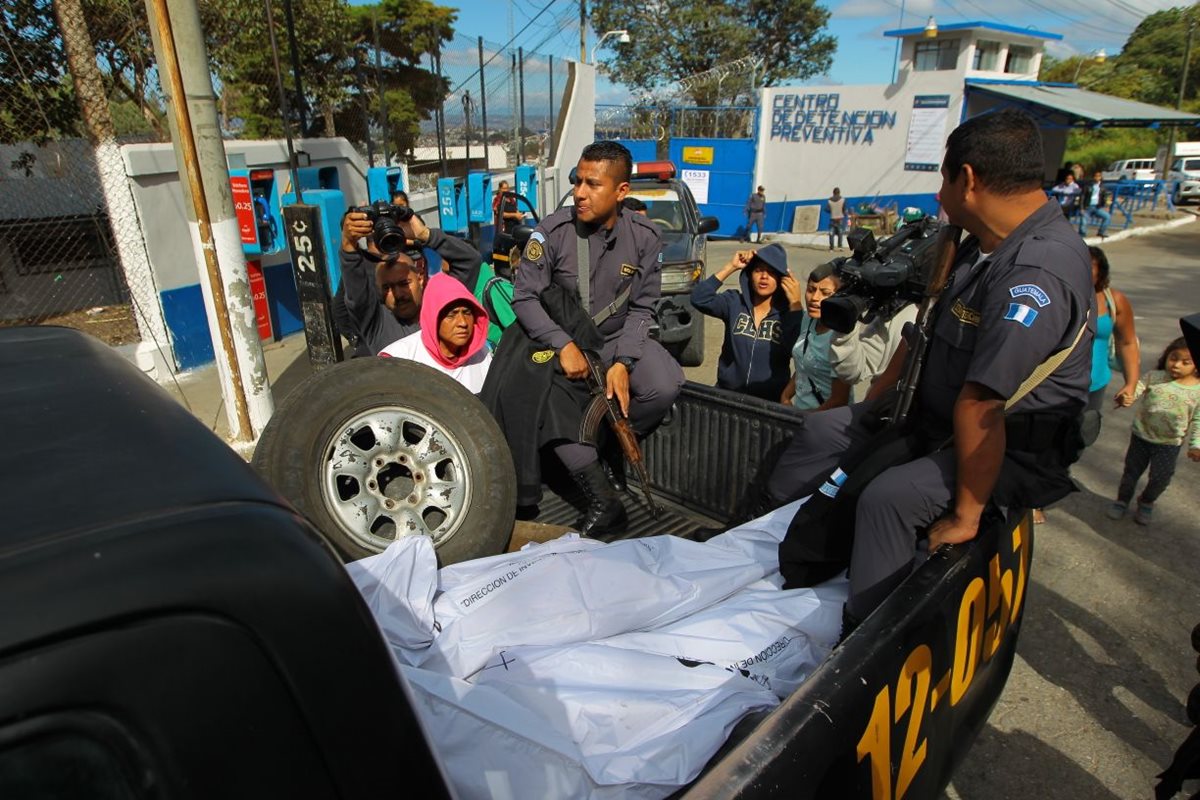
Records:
x=62, y=227
x=78, y=79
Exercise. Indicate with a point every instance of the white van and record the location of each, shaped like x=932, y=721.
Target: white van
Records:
x=1185, y=174
x=1130, y=169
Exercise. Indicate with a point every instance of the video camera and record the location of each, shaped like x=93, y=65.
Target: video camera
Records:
x=387, y=235
x=880, y=278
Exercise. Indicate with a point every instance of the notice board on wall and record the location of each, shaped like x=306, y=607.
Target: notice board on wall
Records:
x=697, y=181
x=927, y=133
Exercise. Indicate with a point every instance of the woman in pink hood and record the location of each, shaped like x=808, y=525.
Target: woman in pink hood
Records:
x=453, y=334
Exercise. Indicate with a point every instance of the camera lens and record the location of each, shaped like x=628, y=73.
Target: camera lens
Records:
x=841, y=312
x=388, y=236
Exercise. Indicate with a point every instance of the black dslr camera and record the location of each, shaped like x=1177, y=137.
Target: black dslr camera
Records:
x=880, y=278
x=386, y=218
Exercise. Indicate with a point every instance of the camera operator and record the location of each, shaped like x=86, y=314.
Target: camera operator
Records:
x=1020, y=291
x=860, y=356
x=383, y=290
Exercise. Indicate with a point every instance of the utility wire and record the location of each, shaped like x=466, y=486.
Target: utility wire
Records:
x=504, y=46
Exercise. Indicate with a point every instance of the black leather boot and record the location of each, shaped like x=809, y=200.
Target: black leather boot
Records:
x=605, y=513
x=614, y=470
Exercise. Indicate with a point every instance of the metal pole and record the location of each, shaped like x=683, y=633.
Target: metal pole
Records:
x=290, y=21
x=169, y=68
x=441, y=115
x=896, y=60
x=582, y=31
x=284, y=111
x=521, y=135
x=383, y=124
x=487, y=163
x=466, y=101
x=550, y=147
x=362, y=99
x=1187, y=57
x=512, y=101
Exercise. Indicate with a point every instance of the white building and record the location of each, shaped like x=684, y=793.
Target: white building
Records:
x=883, y=144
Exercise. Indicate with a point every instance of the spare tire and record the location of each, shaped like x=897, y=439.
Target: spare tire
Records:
x=377, y=448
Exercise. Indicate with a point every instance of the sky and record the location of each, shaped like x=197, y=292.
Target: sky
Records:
x=864, y=55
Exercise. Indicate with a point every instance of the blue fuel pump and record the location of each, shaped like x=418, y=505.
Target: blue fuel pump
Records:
x=383, y=182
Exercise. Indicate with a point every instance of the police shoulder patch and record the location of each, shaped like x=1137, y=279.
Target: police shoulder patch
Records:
x=533, y=250
x=627, y=270
x=542, y=356
x=1033, y=292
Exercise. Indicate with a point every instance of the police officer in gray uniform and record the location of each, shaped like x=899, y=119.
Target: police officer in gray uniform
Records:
x=1019, y=292
x=623, y=250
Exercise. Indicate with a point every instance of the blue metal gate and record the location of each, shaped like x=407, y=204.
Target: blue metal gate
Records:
x=729, y=177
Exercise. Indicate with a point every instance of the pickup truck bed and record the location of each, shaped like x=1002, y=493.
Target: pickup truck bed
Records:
x=175, y=629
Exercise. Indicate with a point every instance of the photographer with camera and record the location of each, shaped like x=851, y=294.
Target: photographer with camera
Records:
x=1018, y=300
x=383, y=284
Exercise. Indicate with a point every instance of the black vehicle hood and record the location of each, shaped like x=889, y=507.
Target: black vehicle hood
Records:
x=676, y=247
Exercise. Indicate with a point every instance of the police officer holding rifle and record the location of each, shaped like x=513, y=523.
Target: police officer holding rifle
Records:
x=604, y=261
x=994, y=416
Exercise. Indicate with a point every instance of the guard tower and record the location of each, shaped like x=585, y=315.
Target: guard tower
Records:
x=971, y=50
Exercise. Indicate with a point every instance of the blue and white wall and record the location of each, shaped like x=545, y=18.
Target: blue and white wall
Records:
x=812, y=139
x=158, y=195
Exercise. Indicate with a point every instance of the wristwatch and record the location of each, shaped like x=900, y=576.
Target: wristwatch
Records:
x=626, y=362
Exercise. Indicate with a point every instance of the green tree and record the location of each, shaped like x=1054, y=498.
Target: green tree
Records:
x=239, y=52
x=37, y=99
x=676, y=39
x=1156, y=46
x=407, y=32
x=120, y=32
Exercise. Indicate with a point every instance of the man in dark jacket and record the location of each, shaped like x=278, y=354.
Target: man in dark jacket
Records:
x=383, y=291
x=762, y=321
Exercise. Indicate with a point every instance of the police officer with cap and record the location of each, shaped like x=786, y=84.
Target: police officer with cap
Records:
x=620, y=252
x=1019, y=300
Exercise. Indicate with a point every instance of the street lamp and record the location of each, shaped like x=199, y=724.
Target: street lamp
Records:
x=622, y=37
x=1098, y=56
x=930, y=28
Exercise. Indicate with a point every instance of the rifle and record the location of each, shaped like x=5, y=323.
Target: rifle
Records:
x=602, y=407
x=918, y=339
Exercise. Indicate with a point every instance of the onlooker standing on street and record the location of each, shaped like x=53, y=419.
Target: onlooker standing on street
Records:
x=756, y=213
x=836, y=206
x=762, y=320
x=1168, y=414
x=1095, y=198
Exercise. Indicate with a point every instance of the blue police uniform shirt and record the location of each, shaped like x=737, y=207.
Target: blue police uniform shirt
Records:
x=998, y=320
x=626, y=255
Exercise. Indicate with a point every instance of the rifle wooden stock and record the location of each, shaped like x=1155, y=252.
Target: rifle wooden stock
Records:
x=947, y=252
x=602, y=405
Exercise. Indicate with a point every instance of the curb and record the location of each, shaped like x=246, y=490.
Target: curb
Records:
x=1129, y=233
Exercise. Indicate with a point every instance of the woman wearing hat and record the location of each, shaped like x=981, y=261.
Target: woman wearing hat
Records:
x=762, y=321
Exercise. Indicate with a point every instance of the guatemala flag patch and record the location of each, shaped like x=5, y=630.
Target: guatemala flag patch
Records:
x=1019, y=312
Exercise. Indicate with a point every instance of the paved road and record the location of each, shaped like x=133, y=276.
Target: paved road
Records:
x=1094, y=706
